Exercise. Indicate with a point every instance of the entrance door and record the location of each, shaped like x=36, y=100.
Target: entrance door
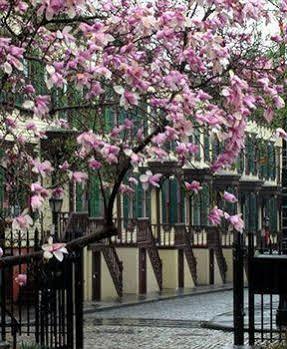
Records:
x=180, y=269
x=142, y=271
x=211, y=266
x=96, y=282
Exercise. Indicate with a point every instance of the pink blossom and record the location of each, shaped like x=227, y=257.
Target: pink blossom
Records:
x=215, y=216
x=150, y=179
x=79, y=177
x=110, y=153
x=159, y=139
x=229, y=197
x=31, y=126
x=54, y=249
x=128, y=98
x=21, y=279
x=36, y=202
x=58, y=192
x=94, y=164
x=280, y=133
x=237, y=222
x=22, y=222
x=133, y=180
x=65, y=166
x=193, y=186
x=29, y=89
x=89, y=141
x=43, y=168
x=41, y=105
x=37, y=188
x=126, y=189
x=11, y=123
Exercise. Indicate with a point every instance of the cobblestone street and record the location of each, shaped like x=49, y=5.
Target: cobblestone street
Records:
x=168, y=324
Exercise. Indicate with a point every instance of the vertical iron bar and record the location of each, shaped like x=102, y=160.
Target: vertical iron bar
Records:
x=69, y=315
x=238, y=290
x=79, y=300
x=271, y=317
x=3, y=288
x=37, y=288
x=27, y=272
x=19, y=289
x=262, y=317
x=251, y=328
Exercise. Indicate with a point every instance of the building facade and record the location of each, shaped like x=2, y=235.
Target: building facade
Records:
x=165, y=239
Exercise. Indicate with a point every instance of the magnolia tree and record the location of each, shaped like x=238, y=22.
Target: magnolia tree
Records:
x=124, y=79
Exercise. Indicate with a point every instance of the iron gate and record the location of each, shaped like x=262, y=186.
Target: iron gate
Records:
x=48, y=309
x=261, y=310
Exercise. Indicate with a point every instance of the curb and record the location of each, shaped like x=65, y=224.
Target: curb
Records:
x=95, y=309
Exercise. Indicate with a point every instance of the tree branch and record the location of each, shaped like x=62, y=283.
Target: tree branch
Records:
x=73, y=245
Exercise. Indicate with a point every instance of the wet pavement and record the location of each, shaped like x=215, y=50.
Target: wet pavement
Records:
x=167, y=324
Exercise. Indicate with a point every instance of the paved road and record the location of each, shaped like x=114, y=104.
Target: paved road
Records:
x=170, y=324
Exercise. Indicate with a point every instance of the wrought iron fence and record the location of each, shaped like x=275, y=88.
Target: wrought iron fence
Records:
x=41, y=302
x=263, y=315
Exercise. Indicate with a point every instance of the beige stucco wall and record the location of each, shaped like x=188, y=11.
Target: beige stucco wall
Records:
x=188, y=281
x=202, y=258
x=87, y=275
x=130, y=259
x=107, y=286
x=227, y=253
x=169, y=268
x=152, y=285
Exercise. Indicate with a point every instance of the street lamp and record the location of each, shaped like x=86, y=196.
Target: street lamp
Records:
x=56, y=207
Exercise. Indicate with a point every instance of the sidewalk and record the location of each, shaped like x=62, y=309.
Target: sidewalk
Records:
x=131, y=299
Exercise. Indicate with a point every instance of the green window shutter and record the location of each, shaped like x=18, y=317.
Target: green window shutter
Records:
x=271, y=165
x=109, y=119
x=204, y=203
x=139, y=201
x=122, y=116
x=173, y=201
x=74, y=97
x=94, y=198
x=148, y=204
x=228, y=206
x=246, y=212
x=264, y=160
x=183, y=205
x=196, y=140
x=125, y=209
x=206, y=147
x=164, y=192
x=196, y=209
x=250, y=156
x=79, y=197
x=37, y=71
x=215, y=149
x=253, y=213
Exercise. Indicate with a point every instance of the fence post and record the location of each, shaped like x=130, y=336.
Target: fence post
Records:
x=3, y=287
x=251, y=316
x=79, y=299
x=238, y=290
